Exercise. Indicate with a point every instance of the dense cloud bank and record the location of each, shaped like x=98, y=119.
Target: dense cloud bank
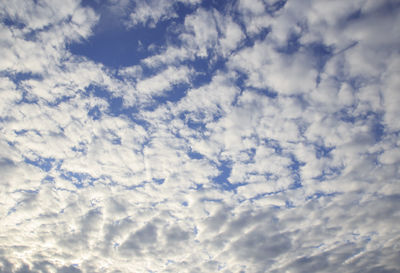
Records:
x=244, y=136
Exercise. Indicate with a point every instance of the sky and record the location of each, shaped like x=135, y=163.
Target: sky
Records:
x=199, y=136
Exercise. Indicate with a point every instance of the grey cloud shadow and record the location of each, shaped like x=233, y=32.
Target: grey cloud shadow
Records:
x=260, y=247
x=339, y=260
x=142, y=239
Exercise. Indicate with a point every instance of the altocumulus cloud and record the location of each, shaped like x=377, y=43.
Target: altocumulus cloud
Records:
x=199, y=136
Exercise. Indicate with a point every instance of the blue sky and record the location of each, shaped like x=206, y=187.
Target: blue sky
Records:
x=199, y=136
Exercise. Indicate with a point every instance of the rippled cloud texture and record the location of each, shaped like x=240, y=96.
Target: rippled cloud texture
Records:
x=200, y=136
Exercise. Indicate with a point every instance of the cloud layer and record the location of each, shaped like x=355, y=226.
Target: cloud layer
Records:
x=245, y=136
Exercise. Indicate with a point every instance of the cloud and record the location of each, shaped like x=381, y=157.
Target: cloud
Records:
x=163, y=81
x=261, y=136
x=149, y=13
x=139, y=241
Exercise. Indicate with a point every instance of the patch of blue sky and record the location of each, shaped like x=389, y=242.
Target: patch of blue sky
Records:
x=212, y=200
x=115, y=106
x=289, y=204
x=116, y=141
x=134, y=187
x=375, y=119
x=205, y=68
x=182, y=11
x=46, y=164
x=197, y=187
x=7, y=119
x=295, y=174
x=222, y=180
x=48, y=179
x=10, y=22
x=194, y=122
x=195, y=155
x=27, y=191
x=240, y=80
x=329, y=173
x=378, y=131
x=251, y=153
x=353, y=16
x=118, y=46
x=322, y=151
x=29, y=195
x=95, y=113
x=272, y=143
x=359, y=81
x=79, y=180
x=121, y=47
x=275, y=6
x=11, y=210
x=80, y=148
x=240, y=83
x=18, y=77
x=60, y=99
x=269, y=176
x=292, y=44
x=221, y=6
x=115, y=245
x=265, y=194
x=301, y=126
x=115, y=103
x=27, y=98
x=251, y=39
x=159, y=181
x=227, y=6
x=347, y=115
x=319, y=195
x=174, y=94
x=196, y=125
x=320, y=53
x=264, y=91
x=23, y=132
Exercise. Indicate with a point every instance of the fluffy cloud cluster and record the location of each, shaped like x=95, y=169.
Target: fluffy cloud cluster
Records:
x=263, y=136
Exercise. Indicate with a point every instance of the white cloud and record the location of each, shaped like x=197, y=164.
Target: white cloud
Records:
x=170, y=56
x=149, y=13
x=254, y=16
x=263, y=65
x=163, y=81
x=201, y=32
